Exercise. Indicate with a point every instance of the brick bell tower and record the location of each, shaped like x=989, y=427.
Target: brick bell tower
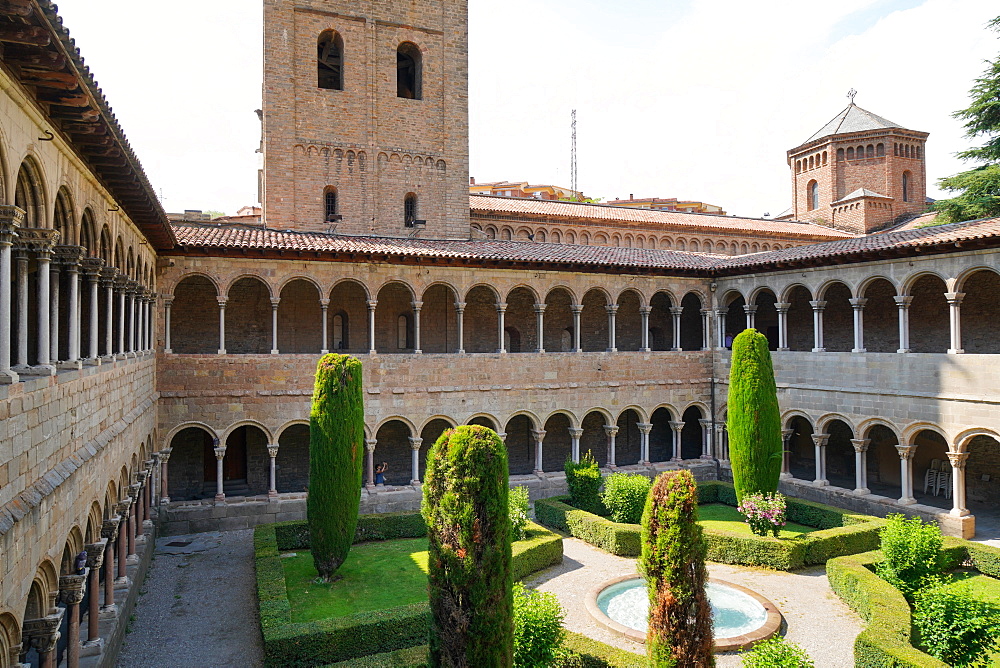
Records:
x=859, y=173
x=365, y=118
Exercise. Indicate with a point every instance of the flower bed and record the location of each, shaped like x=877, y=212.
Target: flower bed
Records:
x=838, y=532
x=887, y=640
x=314, y=643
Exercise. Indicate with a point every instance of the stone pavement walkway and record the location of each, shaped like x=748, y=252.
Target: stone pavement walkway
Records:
x=816, y=618
x=198, y=606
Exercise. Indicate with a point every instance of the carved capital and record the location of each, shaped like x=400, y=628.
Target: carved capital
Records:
x=611, y=309
x=11, y=219
x=958, y=459
x=415, y=442
x=861, y=444
x=821, y=439
x=575, y=432
x=540, y=308
x=95, y=553
x=42, y=634
x=37, y=240
x=539, y=435
x=92, y=266
x=72, y=588
x=904, y=301
x=858, y=303
x=370, y=444
x=782, y=307
x=134, y=489
x=906, y=452
x=818, y=305
x=676, y=311
x=417, y=305
x=220, y=453
x=109, y=529
x=68, y=256
x=272, y=451
x=677, y=426
x=611, y=430
x=645, y=310
x=749, y=308
x=644, y=427
x=460, y=306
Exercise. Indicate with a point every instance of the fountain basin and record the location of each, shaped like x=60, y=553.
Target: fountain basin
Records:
x=741, y=617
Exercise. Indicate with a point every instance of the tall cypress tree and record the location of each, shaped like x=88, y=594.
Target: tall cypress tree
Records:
x=469, y=563
x=336, y=453
x=673, y=563
x=754, y=421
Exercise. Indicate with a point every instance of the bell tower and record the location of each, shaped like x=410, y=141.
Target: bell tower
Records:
x=859, y=173
x=365, y=118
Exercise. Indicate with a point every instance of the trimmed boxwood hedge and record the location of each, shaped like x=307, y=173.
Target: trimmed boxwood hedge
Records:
x=886, y=641
x=839, y=532
x=303, y=644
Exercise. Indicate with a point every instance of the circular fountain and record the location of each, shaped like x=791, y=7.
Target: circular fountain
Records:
x=740, y=617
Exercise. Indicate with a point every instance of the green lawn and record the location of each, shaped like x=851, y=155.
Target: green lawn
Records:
x=721, y=517
x=980, y=586
x=375, y=576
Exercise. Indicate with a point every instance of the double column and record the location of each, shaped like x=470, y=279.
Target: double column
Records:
x=272, y=454
x=68, y=258
x=460, y=318
x=71, y=592
x=95, y=560
x=644, y=429
x=415, y=443
x=720, y=327
x=819, y=442
x=818, y=307
x=575, y=433
x=122, y=286
x=903, y=305
x=955, y=318
x=220, y=455
x=164, y=457
x=858, y=306
x=109, y=280
x=501, y=327
x=677, y=428
x=676, y=312
x=42, y=634
x=222, y=323
x=612, y=312
x=644, y=312
x=906, y=453
x=782, y=310
x=861, y=465
x=110, y=534
x=612, y=431
x=706, y=438
x=417, y=306
x=539, y=436
x=38, y=243
x=11, y=218
x=92, y=267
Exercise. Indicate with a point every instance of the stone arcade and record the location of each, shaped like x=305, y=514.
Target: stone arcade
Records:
x=151, y=370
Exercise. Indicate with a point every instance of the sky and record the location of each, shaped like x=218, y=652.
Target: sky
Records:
x=695, y=99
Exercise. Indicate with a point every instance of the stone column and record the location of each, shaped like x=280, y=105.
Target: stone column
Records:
x=272, y=454
x=858, y=304
x=108, y=275
x=371, y=325
x=501, y=312
x=955, y=316
x=706, y=444
x=43, y=635
x=751, y=312
x=903, y=304
x=274, y=324
x=370, y=459
x=676, y=312
x=958, y=460
x=906, y=453
x=644, y=312
x=722, y=444
x=612, y=310
x=222, y=323
x=21, y=257
x=786, y=470
x=575, y=433
x=109, y=532
x=164, y=487
x=861, y=465
x=150, y=322
x=92, y=267
x=71, y=257
x=782, y=309
x=151, y=482
x=220, y=454
x=644, y=429
x=720, y=326
x=706, y=329
x=415, y=443
x=54, y=289
x=818, y=307
x=42, y=257
x=460, y=317
x=140, y=500
x=121, y=284
x=167, y=303
x=416, y=327
x=820, y=441
x=577, y=310
x=132, y=558
x=677, y=428
x=540, y=327
x=132, y=292
x=612, y=431
x=95, y=560
x=539, y=435
x=324, y=307
x=71, y=590
x=125, y=510
x=11, y=218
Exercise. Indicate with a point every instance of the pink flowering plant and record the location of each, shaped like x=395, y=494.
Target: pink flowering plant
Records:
x=764, y=513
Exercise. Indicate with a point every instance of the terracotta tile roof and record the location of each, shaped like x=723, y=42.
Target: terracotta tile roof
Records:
x=689, y=222
x=852, y=119
x=860, y=192
x=913, y=223
x=238, y=237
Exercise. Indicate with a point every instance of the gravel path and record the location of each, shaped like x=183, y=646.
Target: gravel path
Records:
x=815, y=616
x=198, y=606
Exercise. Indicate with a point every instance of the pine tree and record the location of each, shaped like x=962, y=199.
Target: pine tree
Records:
x=673, y=563
x=979, y=187
x=465, y=507
x=754, y=420
x=336, y=453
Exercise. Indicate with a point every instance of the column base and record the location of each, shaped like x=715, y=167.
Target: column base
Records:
x=415, y=483
x=92, y=361
x=132, y=560
x=370, y=487
x=645, y=350
x=785, y=476
x=275, y=352
x=164, y=500
x=92, y=647
x=959, y=512
x=676, y=460
x=108, y=612
x=39, y=370
x=501, y=352
x=272, y=494
x=819, y=350
x=70, y=364
x=8, y=378
x=706, y=457
x=578, y=350
x=907, y=501
x=372, y=352
x=610, y=350
x=221, y=351
x=956, y=351
x=645, y=463
x=324, y=351
x=220, y=497
x=862, y=491
x=821, y=483
x=859, y=350
x=168, y=351
x=783, y=350
x=677, y=350
x=460, y=351
x=904, y=350
x=418, y=352
x=107, y=358
x=540, y=350
x=123, y=582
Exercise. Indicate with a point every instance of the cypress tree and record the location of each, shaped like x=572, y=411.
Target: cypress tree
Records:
x=336, y=453
x=673, y=563
x=469, y=563
x=754, y=421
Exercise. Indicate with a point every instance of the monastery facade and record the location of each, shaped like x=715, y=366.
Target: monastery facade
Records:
x=155, y=377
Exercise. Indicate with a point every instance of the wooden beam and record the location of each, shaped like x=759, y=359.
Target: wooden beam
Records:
x=65, y=99
x=28, y=57
x=78, y=114
x=95, y=129
x=54, y=80
x=15, y=33
x=16, y=7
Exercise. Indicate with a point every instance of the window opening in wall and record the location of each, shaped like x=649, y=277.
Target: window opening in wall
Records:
x=906, y=186
x=330, y=61
x=330, y=205
x=813, y=195
x=880, y=151
x=340, y=338
x=408, y=74
x=840, y=155
x=410, y=210
x=403, y=332
x=850, y=153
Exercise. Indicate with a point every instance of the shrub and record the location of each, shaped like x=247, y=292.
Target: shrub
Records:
x=625, y=496
x=538, y=631
x=776, y=652
x=467, y=512
x=912, y=557
x=955, y=627
x=518, y=508
x=754, y=421
x=583, y=481
x=584, y=652
x=765, y=513
x=673, y=563
x=539, y=549
x=336, y=450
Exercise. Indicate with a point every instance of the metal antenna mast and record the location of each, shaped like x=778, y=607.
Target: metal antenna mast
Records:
x=572, y=158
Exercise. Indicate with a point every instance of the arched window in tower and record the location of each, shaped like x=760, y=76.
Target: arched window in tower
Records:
x=810, y=162
x=840, y=155
x=408, y=74
x=798, y=166
x=813, y=193
x=330, y=61
x=330, y=204
x=907, y=150
x=850, y=153
x=870, y=151
x=824, y=157
x=906, y=186
x=918, y=153
x=880, y=150
x=409, y=209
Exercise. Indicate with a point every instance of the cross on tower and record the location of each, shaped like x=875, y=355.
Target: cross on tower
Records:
x=851, y=93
